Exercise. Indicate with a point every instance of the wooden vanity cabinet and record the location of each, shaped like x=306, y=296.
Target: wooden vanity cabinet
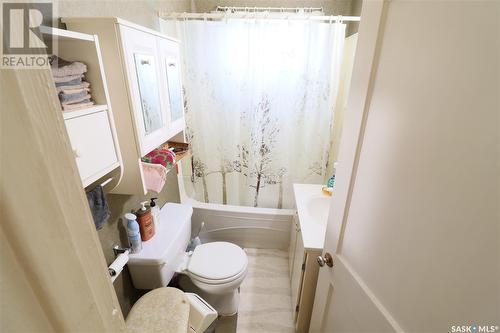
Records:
x=303, y=277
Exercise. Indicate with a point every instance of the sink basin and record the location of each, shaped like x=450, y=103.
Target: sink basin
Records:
x=318, y=208
x=312, y=210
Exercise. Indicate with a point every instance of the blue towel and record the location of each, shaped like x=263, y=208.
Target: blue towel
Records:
x=98, y=206
x=74, y=82
x=68, y=98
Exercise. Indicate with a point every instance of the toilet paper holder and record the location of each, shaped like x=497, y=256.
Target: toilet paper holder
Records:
x=117, y=249
x=120, y=261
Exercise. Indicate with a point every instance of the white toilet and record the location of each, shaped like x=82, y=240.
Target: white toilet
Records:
x=217, y=269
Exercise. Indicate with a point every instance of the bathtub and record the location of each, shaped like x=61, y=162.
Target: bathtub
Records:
x=252, y=227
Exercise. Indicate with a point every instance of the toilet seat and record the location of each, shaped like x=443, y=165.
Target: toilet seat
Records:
x=219, y=281
x=217, y=263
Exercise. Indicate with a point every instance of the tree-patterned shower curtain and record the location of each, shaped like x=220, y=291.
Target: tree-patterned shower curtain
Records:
x=259, y=101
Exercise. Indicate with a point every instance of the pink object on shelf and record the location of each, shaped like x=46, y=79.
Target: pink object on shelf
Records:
x=155, y=176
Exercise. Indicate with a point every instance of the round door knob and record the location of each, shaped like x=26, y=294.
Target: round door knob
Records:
x=327, y=259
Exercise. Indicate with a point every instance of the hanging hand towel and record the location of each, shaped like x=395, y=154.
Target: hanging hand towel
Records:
x=155, y=176
x=98, y=206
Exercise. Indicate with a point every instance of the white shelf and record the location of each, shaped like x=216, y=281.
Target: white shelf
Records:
x=84, y=111
x=66, y=34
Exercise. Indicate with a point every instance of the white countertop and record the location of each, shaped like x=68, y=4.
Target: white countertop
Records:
x=312, y=207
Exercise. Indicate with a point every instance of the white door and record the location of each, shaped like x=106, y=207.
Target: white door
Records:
x=413, y=226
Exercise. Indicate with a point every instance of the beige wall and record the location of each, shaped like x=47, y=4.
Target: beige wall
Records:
x=423, y=224
x=143, y=12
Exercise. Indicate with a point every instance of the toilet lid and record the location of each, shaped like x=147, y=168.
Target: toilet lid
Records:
x=217, y=260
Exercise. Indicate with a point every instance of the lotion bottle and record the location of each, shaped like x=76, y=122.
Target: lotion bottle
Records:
x=145, y=220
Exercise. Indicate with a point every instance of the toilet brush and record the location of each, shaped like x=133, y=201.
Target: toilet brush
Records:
x=196, y=240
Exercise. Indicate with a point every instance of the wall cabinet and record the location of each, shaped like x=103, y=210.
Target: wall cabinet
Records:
x=303, y=277
x=144, y=81
x=91, y=130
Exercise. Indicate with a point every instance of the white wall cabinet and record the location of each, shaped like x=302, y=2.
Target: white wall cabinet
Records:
x=303, y=277
x=144, y=81
x=91, y=130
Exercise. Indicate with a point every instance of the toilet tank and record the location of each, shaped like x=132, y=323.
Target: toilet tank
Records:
x=160, y=257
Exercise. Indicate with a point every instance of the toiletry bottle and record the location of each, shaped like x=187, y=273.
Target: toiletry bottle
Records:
x=155, y=211
x=145, y=220
x=134, y=236
x=331, y=180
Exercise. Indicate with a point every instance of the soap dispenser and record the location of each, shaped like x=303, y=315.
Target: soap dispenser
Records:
x=155, y=211
x=145, y=220
x=133, y=233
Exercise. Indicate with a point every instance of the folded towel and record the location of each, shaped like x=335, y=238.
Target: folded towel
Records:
x=68, y=79
x=77, y=106
x=72, y=98
x=84, y=98
x=63, y=68
x=80, y=85
x=72, y=91
x=98, y=206
x=76, y=82
x=160, y=156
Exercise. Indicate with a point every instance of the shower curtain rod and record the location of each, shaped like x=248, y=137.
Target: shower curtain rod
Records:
x=269, y=9
x=252, y=15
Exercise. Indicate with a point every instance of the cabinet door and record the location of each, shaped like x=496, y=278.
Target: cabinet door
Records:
x=171, y=90
x=92, y=142
x=293, y=244
x=142, y=62
x=297, y=272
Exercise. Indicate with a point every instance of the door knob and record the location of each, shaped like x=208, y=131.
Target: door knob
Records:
x=327, y=259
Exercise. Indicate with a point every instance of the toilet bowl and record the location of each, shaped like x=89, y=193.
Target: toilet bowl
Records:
x=217, y=270
x=214, y=270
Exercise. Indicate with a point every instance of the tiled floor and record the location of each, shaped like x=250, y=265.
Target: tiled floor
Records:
x=265, y=298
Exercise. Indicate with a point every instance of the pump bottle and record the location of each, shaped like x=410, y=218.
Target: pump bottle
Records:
x=145, y=220
x=155, y=211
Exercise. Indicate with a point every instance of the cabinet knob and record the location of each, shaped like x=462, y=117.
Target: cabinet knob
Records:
x=327, y=259
x=76, y=153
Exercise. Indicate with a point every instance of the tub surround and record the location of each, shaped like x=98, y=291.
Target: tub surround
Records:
x=248, y=227
x=312, y=208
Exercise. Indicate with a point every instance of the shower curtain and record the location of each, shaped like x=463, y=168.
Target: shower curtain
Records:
x=259, y=100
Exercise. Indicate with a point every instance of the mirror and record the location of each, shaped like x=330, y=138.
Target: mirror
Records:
x=148, y=90
x=174, y=90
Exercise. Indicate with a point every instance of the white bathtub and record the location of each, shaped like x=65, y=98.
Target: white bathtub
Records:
x=246, y=226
